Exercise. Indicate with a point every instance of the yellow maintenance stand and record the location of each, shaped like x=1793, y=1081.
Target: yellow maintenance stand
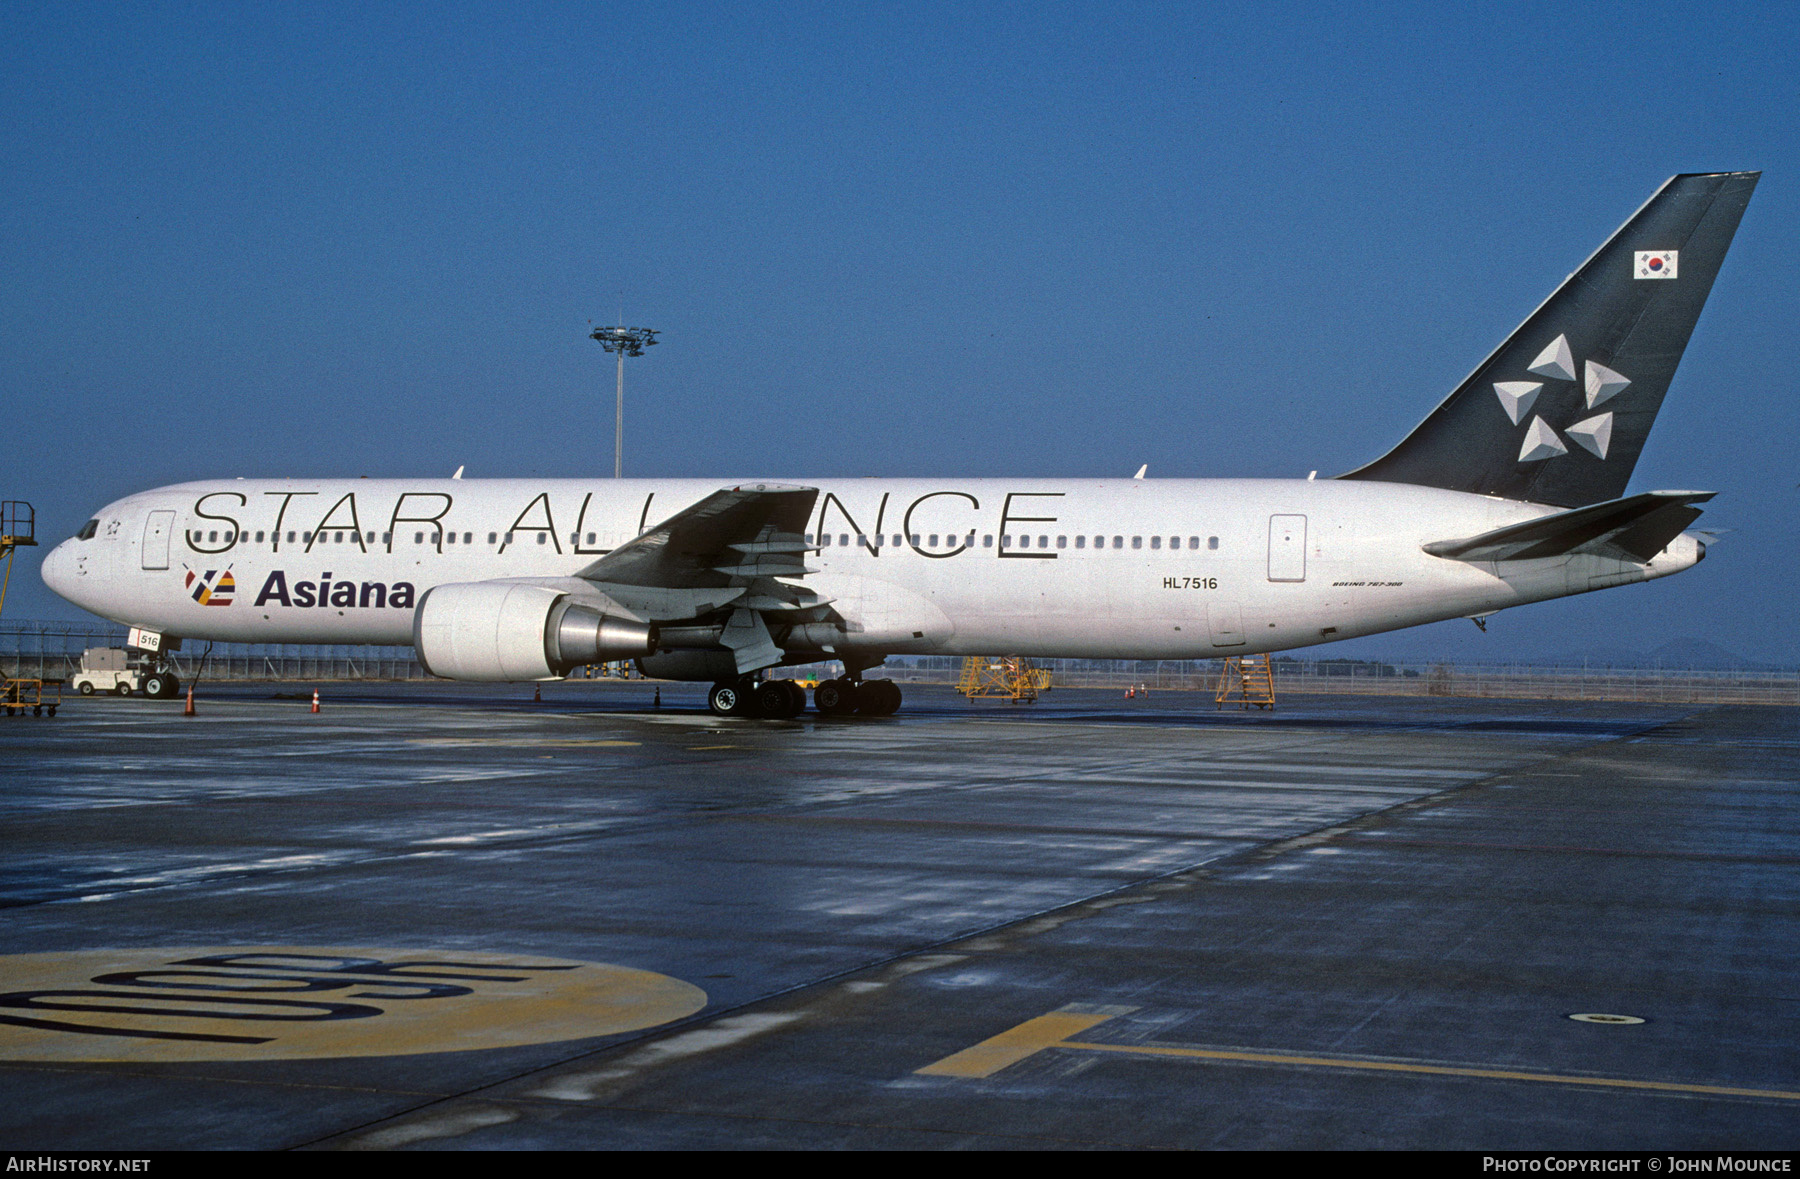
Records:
x=18, y=528
x=1009, y=677
x=1248, y=677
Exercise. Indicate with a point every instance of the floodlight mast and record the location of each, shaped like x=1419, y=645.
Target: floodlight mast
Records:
x=625, y=341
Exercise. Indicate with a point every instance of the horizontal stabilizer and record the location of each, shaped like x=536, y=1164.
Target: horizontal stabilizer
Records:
x=1637, y=528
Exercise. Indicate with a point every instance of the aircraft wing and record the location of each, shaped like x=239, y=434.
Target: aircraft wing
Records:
x=728, y=549
x=1636, y=528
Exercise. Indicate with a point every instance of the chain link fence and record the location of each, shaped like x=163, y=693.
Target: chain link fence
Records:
x=1652, y=685
x=52, y=650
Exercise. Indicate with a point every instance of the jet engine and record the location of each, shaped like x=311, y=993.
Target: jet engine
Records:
x=509, y=630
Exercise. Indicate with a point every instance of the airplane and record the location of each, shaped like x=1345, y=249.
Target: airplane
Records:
x=1511, y=491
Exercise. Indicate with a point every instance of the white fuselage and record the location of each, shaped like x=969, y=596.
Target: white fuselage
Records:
x=1150, y=569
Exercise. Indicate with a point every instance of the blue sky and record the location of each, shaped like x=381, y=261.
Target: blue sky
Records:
x=913, y=239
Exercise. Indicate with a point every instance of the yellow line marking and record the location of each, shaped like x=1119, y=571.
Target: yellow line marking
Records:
x=1056, y=1029
x=1442, y=1070
x=1011, y=1046
x=700, y=747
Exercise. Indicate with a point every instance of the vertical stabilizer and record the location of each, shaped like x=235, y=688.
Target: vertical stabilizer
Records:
x=1559, y=413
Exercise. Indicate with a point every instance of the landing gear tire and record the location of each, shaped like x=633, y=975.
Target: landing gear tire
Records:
x=729, y=698
x=836, y=697
x=775, y=700
x=161, y=686
x=878, y=698
x=799, y=695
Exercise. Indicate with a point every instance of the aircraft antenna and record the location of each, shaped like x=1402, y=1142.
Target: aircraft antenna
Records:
x=622, y=341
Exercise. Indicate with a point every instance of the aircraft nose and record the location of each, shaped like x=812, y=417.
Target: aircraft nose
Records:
x=57, y=571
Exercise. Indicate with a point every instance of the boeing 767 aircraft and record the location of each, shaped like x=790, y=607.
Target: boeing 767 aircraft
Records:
x=1510, y=491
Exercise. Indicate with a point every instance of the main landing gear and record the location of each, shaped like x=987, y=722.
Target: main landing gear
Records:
x=865, y=697
x=784, y=699
x=775, y=699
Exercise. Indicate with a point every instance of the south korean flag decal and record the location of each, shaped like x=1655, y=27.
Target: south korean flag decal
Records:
x=1654, y=263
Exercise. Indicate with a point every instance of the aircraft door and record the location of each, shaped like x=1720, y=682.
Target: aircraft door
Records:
x=156, y=539
x=1287, y=548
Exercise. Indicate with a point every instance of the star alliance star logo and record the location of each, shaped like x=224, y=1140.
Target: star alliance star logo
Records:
x=1556, y=363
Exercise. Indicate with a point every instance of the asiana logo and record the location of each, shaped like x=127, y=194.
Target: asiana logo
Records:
x=213, y=588
x=326, y=592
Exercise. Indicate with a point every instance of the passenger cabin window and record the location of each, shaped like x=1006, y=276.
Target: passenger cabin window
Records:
x=1081, y=542
x=590, y=538
x=1156, y=542
x=987, y=540
x=451, y=538
x=542, y=537
x=1212, y=542
x=509, y=538
x=844, y=539
x=259, y=537
x=1137, y=542
x=418, y=538
x=387, y=538
x=492, y=537
x=1118, y=542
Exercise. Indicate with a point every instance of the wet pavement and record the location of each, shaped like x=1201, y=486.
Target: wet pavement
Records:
x=447, y=916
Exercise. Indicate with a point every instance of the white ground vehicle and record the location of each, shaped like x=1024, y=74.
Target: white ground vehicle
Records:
x=115, y=670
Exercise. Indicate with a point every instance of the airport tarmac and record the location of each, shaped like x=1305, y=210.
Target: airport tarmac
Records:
x=444, y=916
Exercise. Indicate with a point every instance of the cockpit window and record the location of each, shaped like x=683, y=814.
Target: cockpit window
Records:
x=88, y=530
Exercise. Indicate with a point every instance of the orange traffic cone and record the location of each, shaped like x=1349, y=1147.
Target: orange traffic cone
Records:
x=189, y=710
x=315, y=707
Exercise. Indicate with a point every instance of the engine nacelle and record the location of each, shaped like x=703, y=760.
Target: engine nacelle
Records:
x=498, y=631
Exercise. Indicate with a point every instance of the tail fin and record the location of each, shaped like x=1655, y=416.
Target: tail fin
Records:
x=1559, y=413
